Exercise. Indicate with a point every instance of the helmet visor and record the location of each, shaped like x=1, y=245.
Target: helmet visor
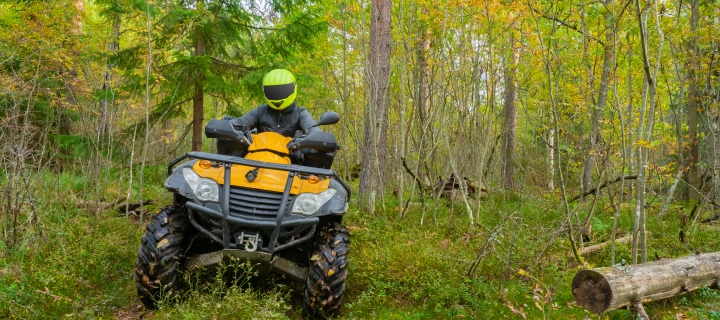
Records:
x=279, y=92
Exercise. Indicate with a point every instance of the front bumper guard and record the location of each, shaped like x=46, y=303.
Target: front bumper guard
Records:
x=278, y=224
x=313, y=221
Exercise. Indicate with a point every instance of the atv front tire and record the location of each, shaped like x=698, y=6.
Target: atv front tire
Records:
x=328, y=270
x=158, y=265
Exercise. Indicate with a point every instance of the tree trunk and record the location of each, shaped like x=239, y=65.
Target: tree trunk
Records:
x=598, y=110
x=372, y=182
x=113, y=47
x=198, y=116
x=550, y=149
x=546, y=53
x=609, y=288
x=644, y=134
x=693, y=105
x=510, y=111
x=424, y=75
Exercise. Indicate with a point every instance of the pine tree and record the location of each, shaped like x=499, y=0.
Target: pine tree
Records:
x=219, y=49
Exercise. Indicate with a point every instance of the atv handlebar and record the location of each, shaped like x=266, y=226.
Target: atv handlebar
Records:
x=224, y=129
x=318, y=140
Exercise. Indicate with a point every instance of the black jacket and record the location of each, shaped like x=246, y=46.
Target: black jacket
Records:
x=284, y=122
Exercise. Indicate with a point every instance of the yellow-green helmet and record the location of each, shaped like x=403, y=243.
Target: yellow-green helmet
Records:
x=280, y=89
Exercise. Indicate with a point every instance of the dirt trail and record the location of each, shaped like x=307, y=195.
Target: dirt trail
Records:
x=134, y=310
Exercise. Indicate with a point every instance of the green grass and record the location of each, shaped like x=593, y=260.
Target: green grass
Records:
x=81, y=269
x=399, y=269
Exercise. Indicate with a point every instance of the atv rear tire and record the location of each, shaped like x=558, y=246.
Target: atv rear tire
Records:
x=158, y=265
x=328, y=270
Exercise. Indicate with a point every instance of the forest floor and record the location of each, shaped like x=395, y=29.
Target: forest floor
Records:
x=410, y=268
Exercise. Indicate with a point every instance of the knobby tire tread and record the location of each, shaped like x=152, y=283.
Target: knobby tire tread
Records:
x=158, y=267
x=325, y=285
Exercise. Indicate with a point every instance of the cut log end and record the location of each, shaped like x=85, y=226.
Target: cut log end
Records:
x=592, y=291
x=614, y=287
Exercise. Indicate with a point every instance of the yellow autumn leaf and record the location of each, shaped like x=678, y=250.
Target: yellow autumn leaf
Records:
x=642, y=143
x=537, y=304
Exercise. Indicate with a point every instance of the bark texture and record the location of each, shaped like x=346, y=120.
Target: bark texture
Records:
x=373, y=161
x=598, y=111
x=693, y=106
x=609, y=288
x=510, y=113
x=423, y=73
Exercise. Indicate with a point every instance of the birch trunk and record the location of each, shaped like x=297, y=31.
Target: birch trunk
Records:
x=555, y=114
x=550, y=149
x=644, y=134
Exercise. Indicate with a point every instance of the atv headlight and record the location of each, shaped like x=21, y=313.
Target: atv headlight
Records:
x=309, y=203
x=205, y=189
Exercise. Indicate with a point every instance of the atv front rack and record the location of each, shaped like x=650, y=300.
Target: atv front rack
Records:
x=278, y=224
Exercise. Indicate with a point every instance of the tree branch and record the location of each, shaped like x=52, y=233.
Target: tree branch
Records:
x=604, y=185
x=407, y=168
x=567, y=25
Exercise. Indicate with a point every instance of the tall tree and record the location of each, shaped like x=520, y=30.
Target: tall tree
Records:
x=693, y=103
x=199, y=96
x=510, y=107
x=598, y=109
x=644, y=133
x=372, y=182
x=423, y=71
x=222, y=49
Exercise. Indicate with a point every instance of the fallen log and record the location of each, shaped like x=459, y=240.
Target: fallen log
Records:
x=133, y=205
x=609, y=288
x=450, y=188
x=711, y=219
x=597, y=247
x=96, y=206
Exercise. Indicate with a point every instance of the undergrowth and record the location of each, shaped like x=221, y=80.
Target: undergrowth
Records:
x=399, y=268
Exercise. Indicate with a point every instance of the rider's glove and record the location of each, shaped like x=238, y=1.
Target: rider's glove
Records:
x=295, y=143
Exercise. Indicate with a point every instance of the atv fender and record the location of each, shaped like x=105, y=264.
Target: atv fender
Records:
x=176, y=183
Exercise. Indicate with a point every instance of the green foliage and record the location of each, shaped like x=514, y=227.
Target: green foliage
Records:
x=600, y=226
x=56, y=68
x=239, y=45
x=399, y=269
x=225, y=292
x=75, y=146
x=80, y=270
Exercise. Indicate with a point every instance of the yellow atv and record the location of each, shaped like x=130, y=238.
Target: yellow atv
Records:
x=263, y=207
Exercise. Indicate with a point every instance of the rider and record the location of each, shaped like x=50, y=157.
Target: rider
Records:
x=281, y=114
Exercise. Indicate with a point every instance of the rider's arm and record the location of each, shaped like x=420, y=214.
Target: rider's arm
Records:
x=247, y=121
x=307, y=121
